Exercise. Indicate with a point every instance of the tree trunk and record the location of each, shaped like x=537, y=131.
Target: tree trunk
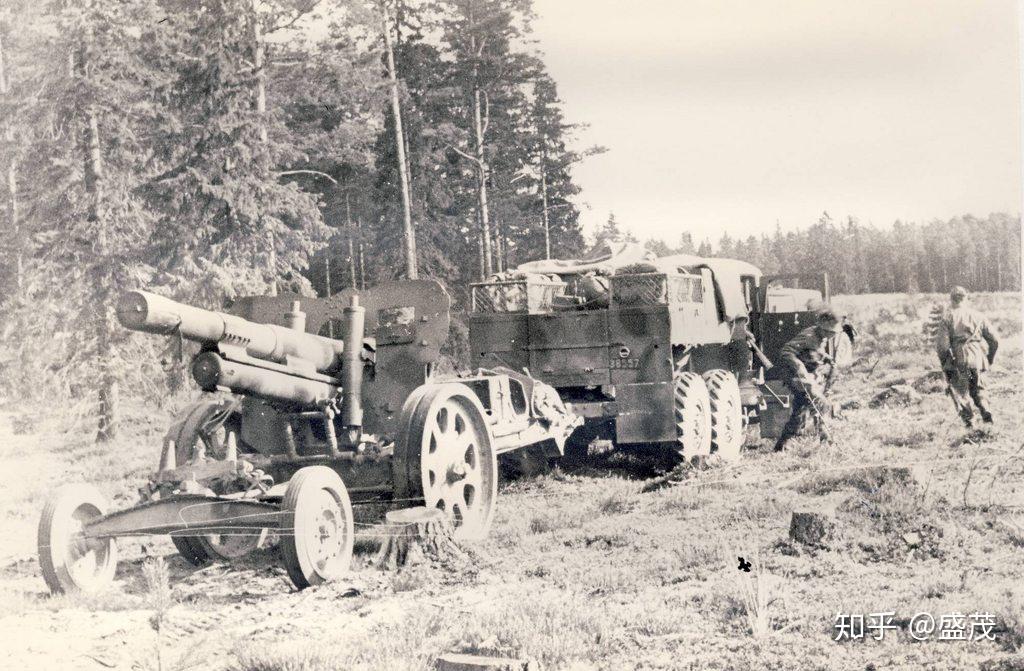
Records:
x=403, y=173
x=351, y=242
x=108, y=392
x=109, y=396
x=327, y=273
x=260, y=106
x=362, y=264
x=544, y=205
x=481, y=249
x=11, y=176
x=499, y=249
x=481, y=189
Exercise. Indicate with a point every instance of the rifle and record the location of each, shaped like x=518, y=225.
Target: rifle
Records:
x=950, y=371
x=818, y=415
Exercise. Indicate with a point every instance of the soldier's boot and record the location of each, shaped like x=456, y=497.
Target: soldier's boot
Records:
x=968, y=418
x=976, y=390
x=979, y=400
x=780, y=444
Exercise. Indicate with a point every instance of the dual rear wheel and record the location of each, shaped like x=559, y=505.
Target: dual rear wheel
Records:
x=708, y=414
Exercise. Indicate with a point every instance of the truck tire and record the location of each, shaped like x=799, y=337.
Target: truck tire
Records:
x=692, y=415
x=726, y=414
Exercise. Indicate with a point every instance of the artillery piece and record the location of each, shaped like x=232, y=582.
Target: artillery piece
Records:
x=310, y=424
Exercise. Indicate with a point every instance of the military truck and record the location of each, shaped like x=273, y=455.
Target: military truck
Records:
x=673, y=350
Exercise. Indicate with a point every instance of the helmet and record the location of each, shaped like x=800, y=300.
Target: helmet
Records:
x=958, y=293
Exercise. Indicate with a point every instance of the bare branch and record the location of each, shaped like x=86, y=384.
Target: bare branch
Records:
x=307, y=172
x=290, y=23
x=463, y=154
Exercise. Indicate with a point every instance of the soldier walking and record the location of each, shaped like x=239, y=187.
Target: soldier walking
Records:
x=804, y=362
x=966, y=347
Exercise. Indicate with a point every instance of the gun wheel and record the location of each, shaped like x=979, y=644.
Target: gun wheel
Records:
x=204, y=432
x=71, y=563
x=317, y=527
x=726, y=408
x=444, y=454
x=692, y=415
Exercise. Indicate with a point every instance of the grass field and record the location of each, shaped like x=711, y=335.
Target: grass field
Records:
x=584, y=568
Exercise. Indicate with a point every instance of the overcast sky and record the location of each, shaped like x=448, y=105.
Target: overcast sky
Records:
x=730, y=115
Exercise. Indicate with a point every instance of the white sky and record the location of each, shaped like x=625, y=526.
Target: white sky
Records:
x=730, y=115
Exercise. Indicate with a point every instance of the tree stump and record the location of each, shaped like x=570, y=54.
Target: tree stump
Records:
x=413, y=534
x=456, y=662
x=809, y=528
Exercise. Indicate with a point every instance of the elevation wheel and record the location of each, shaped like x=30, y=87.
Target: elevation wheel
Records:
x=317, y=528
x=445, y=455
x=71, y=563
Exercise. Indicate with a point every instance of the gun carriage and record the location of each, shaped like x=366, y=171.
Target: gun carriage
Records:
x=310, y=423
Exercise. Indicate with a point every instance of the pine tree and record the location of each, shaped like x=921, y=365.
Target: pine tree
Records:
x=487, y=74
x=231, y=220
x=89, y=121
x=548, y=186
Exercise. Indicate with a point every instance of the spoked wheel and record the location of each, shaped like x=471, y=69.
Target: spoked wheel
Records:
x=70, y=562
x=444, y=455
x=317, y=528
x=692, y=415
x=204, y=432
x=726, y=409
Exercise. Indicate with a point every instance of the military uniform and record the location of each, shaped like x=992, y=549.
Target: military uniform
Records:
x=806, y=363
x=966, y=347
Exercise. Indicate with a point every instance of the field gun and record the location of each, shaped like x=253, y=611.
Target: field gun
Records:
x=297, y=424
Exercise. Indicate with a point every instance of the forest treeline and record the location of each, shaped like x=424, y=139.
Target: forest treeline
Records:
x=979, y=254
x=207, y=149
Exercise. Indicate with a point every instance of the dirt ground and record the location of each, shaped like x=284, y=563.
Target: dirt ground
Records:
x=585, y=568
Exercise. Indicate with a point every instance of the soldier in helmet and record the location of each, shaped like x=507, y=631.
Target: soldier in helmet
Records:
x=803, y=361
x=966, y=347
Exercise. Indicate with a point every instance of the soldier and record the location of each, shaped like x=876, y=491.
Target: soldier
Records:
x=804, y=362
x=966, y=347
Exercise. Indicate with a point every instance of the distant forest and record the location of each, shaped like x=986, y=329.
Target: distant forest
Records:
x=979, y=254
x=207, y=149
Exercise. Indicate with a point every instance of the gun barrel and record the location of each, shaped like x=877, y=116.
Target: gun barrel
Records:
x=149, y=313
x=213, y=372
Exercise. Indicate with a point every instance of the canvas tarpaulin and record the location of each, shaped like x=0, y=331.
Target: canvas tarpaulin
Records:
x=727, y=273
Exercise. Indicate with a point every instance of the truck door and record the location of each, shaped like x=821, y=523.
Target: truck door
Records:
x=787, y=304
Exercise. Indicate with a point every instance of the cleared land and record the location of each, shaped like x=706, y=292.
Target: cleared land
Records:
x=584, y=569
